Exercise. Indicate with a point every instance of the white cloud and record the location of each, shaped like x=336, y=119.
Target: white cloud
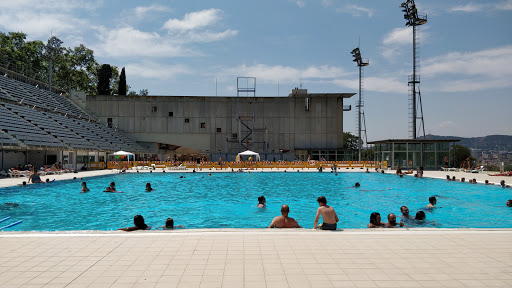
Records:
x=300, y=3
x=488, y=6
x=467, y=8
x=394, y=42
x=127, y=41
x=375, y=84
x=471, y=71
x=39, y=18
x=155, y=70
x=130, y=42
x=144, y=11
x=356, y=11
x=266, y=73
x=194, y=20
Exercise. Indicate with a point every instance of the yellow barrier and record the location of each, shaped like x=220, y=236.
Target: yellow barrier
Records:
x=112, y=164
x=326, y=164
x=190, y=164
x=357, y=164
x=172, y=163
x=238, y=164
x=225, y=165
x=251, y=164
x=142, y=163
x=282, y=164
x=372, y=164
x=343, y=164
x=297, y=164
x=266, y=164
x=96, y=165
x=312, y=164
x=206, y=165
x=158, y=164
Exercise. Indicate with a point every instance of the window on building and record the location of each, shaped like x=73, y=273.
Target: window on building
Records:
x=203, y=125
x=109, y=122
x=187, y=120
x=219, y=130
x=234, y=135
x=153, y=109
x=171, y=114
x=307, y=103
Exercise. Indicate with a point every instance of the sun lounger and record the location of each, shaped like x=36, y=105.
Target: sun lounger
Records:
x=448, y=169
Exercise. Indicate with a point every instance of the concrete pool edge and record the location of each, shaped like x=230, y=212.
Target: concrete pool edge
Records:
x=252, y=231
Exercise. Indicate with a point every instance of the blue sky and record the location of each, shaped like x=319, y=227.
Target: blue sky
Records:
x=185, y=47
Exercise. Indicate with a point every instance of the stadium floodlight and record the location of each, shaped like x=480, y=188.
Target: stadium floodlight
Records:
x=414, y=19
x=356, y=53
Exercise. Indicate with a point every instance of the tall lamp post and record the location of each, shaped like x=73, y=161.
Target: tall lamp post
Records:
x=360, y=63
x=414, y=18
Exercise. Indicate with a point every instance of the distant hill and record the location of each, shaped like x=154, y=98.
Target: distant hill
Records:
x=489, y=143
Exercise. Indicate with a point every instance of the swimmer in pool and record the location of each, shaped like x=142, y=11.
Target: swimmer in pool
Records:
x=375, y=221
x=509, y=203
x=328, y=215
x=357, y=185
x=502, y=184
x=138, y=221
x=405, y=212
x=432, y=203
x=488, y=183
x=420, y=215
x=84, y=188
x=148, y=187
x=262, y=202
x=169, y=225
x=392, y=222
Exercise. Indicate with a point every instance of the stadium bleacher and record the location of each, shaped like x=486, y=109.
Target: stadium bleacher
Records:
x=36, y=118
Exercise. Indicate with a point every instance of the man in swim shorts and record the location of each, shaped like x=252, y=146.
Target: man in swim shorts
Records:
x=284, y=221
x=328, y=215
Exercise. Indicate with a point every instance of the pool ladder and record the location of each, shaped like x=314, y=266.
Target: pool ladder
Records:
x=10, y=225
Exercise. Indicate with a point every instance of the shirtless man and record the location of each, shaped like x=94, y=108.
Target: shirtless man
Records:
x=392, y=222
x=284, y=221
x=328, y=215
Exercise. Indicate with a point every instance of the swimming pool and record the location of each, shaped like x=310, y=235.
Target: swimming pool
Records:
x=228, y=200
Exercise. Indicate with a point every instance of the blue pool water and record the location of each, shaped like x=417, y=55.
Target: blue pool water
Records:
x=228, y=200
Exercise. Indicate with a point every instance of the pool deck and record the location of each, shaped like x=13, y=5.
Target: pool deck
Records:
x=258, y=258
x=480, y=177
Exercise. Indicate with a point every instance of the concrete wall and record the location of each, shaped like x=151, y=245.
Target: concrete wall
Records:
x=289, y=126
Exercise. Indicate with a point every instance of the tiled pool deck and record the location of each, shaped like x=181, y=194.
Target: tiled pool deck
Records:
x=258, y=258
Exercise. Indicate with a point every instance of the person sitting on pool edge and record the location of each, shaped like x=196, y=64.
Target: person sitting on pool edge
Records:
x=328, y=215
x=84, y=188
x=138, y=221
x=35, y=178
x=375, y=221
x=148, y=187
x=392, y=222
x=262, y=202
x=284, y=221
x=169, y=225
x=432, y=203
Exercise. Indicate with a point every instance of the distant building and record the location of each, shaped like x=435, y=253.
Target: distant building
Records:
x=288, y=128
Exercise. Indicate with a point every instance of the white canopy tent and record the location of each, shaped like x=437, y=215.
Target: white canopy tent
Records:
x=256, y=156
x=124, y=153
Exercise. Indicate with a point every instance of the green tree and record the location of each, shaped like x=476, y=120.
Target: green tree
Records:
x=122, y=83
x=459, y=154
x=104, y=78
x=368, y=154
x=76, y=70
x=132, y=93
x=20, y=56
x=144, y=92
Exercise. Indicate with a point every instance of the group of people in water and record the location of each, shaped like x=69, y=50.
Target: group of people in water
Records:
x=139, y=223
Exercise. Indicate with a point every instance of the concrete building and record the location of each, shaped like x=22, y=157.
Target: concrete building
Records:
x=277, y=127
